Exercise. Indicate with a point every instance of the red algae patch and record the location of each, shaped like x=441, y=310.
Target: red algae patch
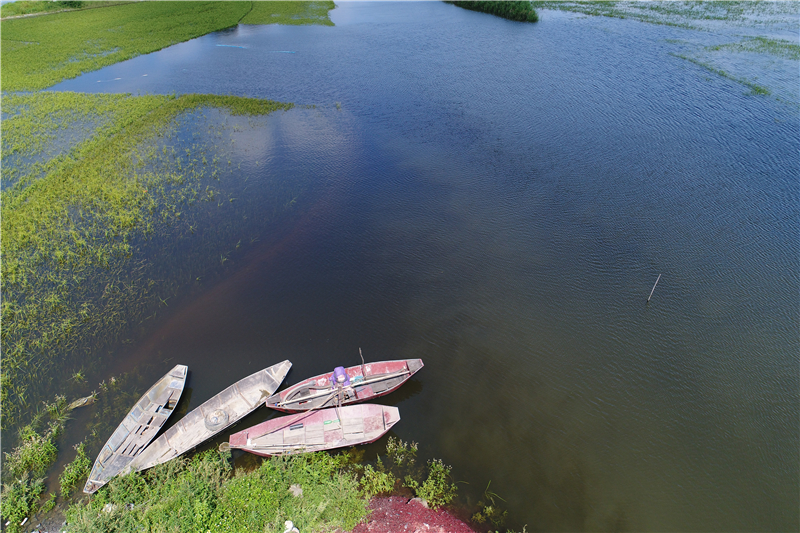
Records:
x=399, y=515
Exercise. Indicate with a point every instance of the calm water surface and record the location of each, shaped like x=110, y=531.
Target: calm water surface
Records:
x=498, y=198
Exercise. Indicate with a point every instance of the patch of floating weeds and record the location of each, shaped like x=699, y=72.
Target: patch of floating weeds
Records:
x=289, y=13
x=755, y=89
x=73, y=274
x=777, y=47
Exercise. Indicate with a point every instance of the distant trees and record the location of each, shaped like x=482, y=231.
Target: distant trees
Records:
x=521, y=11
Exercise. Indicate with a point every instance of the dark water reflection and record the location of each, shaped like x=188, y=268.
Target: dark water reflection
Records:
x=498, y=199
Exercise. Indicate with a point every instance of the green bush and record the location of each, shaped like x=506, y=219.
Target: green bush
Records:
x=437, y=490
x=521, y=11
x=76, y=471
x=376, y=480
x=18, y=500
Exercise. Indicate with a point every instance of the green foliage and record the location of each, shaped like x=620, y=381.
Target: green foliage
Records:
x=68, y=271
x=40, y=51
x=18, y=500
x=521, y=11
x=489, y=510
x=402, y=454
x=755, y=89
x=376, y=480
x=289, y=13
x=29, y=7
x=437, y=490
x=777, y=47
x=49, y=504
x=25, y=464
x=76, y=471
x=199, y=496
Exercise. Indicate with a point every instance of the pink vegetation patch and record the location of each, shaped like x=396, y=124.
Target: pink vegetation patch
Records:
x=401, y=515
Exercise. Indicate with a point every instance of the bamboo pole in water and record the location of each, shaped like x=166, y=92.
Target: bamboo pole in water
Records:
x=654, y=288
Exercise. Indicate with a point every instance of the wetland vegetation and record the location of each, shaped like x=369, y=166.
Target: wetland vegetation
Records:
x=38, y=52
x=93, y=184
x=521, y=11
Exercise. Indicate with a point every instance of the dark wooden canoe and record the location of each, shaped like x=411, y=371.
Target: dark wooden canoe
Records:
x=314, y=431
x=138, y=428
x=213, y=416
x=377, y=379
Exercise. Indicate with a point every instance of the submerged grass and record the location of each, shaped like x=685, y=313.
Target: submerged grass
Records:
x=755, y=89
x=70, y=273
x=290, y=13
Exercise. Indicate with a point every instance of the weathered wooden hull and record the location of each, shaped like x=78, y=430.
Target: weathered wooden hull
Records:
x=138, y=428
x=213, y=416
x=313, y=431
x=316, y=393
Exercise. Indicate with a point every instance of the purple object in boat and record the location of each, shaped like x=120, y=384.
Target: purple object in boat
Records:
x=340, y=377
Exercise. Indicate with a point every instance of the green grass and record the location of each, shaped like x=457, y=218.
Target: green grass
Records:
x=521, y=11
x=202, y=494
x=69, y=272
x=289, y=13
x=25, y=466
x=777, y=47
x=31, y=7
x=38, y=52
x=76, y=472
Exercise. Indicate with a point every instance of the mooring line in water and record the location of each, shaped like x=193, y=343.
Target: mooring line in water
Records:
x=654, y=287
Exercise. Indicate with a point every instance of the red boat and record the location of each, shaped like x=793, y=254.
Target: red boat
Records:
x=314, y=431
x=345, y=386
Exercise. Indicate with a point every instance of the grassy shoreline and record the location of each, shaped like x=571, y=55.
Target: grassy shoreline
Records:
x=39, y=52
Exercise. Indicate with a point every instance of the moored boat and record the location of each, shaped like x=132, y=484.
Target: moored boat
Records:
x=138, y=428
x=318, y=430
x=213, y=416
x=345, y=386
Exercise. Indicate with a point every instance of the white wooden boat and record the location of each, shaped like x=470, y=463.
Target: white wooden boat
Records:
x=213, y=416
x=138, y=428
x=312, y=431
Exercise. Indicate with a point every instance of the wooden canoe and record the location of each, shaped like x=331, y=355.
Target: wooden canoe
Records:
x=376, y=379
x=314, y=431
x=213, y=416
x=138, y=428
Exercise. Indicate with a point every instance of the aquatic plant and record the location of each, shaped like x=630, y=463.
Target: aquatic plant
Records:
x=289, y=13
x=376, y=480
x=436, y=489
x=521, y=11
x=75, y=471
x=72, y=269
x=25, y=465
